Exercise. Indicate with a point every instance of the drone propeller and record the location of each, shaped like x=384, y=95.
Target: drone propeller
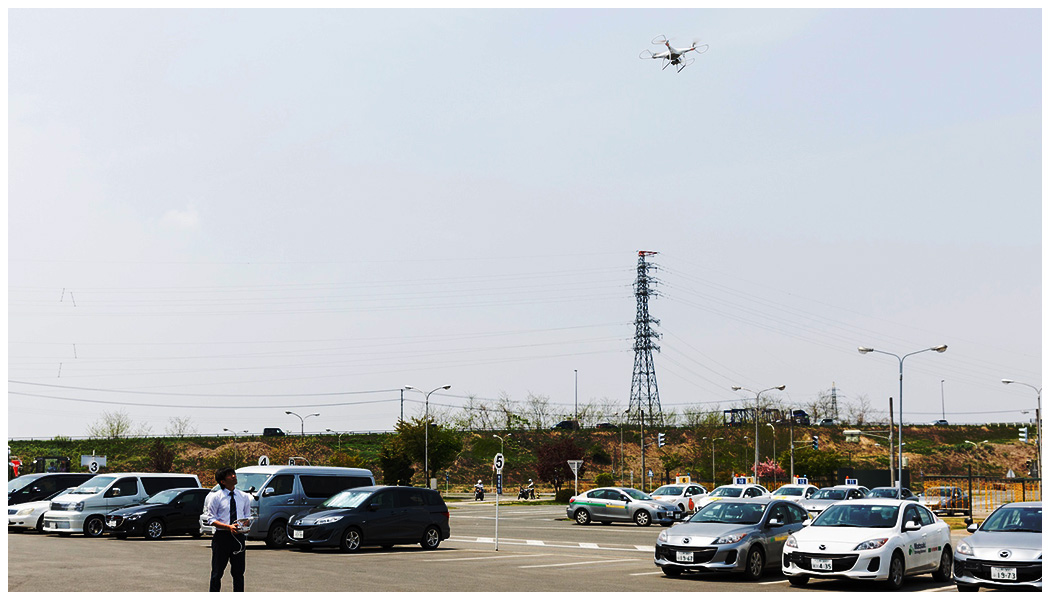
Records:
x=659, y=40
x=701, y=48
x=646, y=54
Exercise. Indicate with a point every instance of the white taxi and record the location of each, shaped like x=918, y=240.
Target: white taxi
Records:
x=873, y=539
x=734, y=490
x=682, y=495
x=796, y=492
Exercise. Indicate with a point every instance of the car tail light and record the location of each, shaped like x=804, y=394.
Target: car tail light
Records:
x=573, y=499
x=447, y=515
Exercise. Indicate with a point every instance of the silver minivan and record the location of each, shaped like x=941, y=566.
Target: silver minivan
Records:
x=278, y=492
x=84, y=509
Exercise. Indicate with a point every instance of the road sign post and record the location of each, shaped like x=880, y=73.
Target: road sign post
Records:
x=498, y=463
x=575, y=466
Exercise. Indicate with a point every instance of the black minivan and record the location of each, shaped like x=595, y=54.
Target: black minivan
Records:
x=373, y=516
x=38, y=486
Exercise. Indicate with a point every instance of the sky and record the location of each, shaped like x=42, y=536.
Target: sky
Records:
x=223, y=215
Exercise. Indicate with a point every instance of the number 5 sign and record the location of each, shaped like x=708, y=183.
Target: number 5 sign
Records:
x=497, y=463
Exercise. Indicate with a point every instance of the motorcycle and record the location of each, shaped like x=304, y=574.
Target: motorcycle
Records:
x=479, y=493
x=523, y=494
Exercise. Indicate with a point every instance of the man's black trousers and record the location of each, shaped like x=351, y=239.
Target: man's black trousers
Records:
x=223, y=546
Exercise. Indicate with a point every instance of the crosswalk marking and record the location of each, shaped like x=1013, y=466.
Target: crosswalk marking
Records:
x=573, y=564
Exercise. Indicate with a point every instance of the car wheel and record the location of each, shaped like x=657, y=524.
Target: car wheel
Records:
x=896, y=576
x=582, y=517
x=944, y=572
x=351, y=540
x=154, y=530
x=642, y=518
x=798, y=580
x=40, y=523
x=278, y=535
x=94, y=526
x=967, y=588
x=681, y=507
x=672, y=571
x=756, y=563
x=431, y=538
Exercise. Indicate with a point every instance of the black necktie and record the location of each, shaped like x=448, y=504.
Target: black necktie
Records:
x=233, y=509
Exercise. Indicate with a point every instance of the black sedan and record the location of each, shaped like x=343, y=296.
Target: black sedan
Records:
x=171, y=512
x=373, y=516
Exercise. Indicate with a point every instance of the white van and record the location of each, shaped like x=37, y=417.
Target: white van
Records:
x=278, y=492
x=84, y=509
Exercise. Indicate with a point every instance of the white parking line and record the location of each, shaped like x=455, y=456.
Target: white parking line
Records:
x=482, y=557
x=588, y=545
x=573, y=564
x=574, y=546
x=773, y=582
x=647, y=548
x=534, y=542
x=647, y=573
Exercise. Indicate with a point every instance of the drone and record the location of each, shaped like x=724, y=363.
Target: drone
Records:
x=673, y=56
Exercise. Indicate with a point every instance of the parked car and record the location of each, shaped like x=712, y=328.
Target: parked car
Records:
x=605, y=426
x=1006, y=551
x=609, y=504
x=825, y=497
x=795, y=492
x=84, y=509
x=945, y=499
x=827, y=423
x=171, y=512
x=30, y=515
x=741, y=535
x=373, y=516
x=273, y=431
x=734, y=490
x=939, y=423
x=37, y=486
x=281, y=491
x=570, y=425
x=891, y=492
x=871, y=539
x=682, y=495
x=800, y=417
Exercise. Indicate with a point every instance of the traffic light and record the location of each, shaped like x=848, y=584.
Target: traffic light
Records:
x=816, y=443
x=660, y=440
x=1022, y=434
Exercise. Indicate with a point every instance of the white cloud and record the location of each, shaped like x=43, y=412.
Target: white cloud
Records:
x=186, y=220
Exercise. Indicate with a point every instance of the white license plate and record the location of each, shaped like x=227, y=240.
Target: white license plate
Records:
x=297, y=534
x=683, y=556
x=821, y=564
x=1004, y=573
x=59, y=525
x=111, y=523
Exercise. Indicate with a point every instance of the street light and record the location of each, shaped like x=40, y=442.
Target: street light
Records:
x=500, y=442
x=758, y=409
x=774, y=453
x=1038, y=418
x=621, y=444
x=714, y=482
x=302, y=421
x=975, y=443
x=236, y=451
x=338, y=434
x=426, y=428
x=900, y=398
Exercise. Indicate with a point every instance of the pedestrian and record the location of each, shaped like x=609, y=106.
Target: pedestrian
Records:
x=225, y=509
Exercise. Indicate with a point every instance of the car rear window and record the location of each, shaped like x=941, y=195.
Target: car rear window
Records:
x=326, y=486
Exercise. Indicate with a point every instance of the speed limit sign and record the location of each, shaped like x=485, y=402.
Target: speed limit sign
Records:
x=497, y=463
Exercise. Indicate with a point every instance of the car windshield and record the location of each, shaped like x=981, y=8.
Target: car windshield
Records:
x=789, y=491
x=94, y=485
x=162, y=497
x=20, y=482
x=727, y=492
x=251, y=482
x=636, y=494
x=829, y=495
x=1015, y=518
x=882, y=493
x=348, y=499
x=60, y=492
x=668, y=490
x=857, y=515
x=741, y=513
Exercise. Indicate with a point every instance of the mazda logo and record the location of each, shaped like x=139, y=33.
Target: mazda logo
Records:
x=1004, y=554
x=823, y=547
x=685, y=540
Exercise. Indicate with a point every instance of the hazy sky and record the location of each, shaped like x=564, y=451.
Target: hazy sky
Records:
x=283, y=209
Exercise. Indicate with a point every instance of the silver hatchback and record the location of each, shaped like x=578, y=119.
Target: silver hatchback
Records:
x=1006, y=551
x=606, y=505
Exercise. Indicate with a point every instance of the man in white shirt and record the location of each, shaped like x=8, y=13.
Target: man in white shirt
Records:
x=223, y=508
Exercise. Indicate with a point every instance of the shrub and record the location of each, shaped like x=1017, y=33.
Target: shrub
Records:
x=564, y=495
x=604, y=480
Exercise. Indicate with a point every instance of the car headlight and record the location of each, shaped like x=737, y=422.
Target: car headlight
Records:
x=872, y=544
x=78, y=507
x=24, y=512
x=732, y=538
x=662, y=537
x=791, y=542
x=137, y=515
x=964, y=548
x=325, y=520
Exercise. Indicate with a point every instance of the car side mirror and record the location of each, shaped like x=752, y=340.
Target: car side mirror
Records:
x=807, y=522
x=114, y=492
x=179, y=504
x=973, y=527
x=36, y=489
x=268, y=491
x=968, y=521
x=912, y=526
x=373, y=507
x=775, y=522
x=625, y=498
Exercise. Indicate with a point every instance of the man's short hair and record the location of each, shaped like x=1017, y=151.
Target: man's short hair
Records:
x=223, y=473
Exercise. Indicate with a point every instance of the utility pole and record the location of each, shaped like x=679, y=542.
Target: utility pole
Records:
x=892, y=484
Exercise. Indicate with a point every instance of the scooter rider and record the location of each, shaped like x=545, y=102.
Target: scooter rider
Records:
x=479, y=491
x=531, y=489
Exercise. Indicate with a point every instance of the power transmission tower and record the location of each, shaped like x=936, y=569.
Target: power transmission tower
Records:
x=645, y=398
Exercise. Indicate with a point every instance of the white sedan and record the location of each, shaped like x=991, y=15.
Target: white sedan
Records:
x=872, y=539
x=682, y=495
x=30, y=515
x=735, y=490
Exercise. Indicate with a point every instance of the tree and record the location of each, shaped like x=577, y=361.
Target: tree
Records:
x=180, y=427
x=814, y=463
x=552, y=461
x=859, y=411
x=770, y=468
x=672, y=461
x=116, y=424
x=538, y=411
x=395, y=462
x=438, y=453
x=161, y=457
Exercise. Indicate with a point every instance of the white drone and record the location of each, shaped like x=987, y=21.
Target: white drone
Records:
x=673, y=56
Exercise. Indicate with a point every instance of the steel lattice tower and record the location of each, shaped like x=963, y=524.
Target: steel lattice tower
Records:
x=645, y=398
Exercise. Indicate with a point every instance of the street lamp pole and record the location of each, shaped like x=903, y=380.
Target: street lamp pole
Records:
x=943, y=418
x=302, y=421
x=236, y=450
x=1038, y=429
x=900, y=398
x=338, y=434
x=758, y=409
x=714, y=482
x=426, y=428
x=576, y=395
x=774, y=454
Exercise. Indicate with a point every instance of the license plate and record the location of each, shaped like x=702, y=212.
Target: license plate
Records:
x=111, y=523
x=297, y=534
x=683, y=556
x=821, y=564
x=1004, y=573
